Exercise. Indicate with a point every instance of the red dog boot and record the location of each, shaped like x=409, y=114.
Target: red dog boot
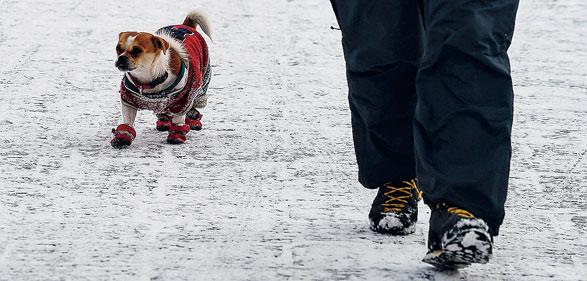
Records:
x=177, y=133
x=194, y=120
x=163, y=122
x=123, y=136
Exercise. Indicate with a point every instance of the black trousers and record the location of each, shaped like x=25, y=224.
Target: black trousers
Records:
x=431, y=96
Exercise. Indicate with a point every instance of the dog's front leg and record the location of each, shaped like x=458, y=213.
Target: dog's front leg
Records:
x=178, y=130
x=124, y=134
x=129, y=114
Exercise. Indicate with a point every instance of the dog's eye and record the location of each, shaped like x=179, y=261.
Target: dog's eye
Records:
x=135, y=51
x=119, y=49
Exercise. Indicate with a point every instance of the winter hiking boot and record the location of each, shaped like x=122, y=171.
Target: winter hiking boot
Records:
x=194, y=119
x=395, y=208
x=163, y=122
x=457, y=238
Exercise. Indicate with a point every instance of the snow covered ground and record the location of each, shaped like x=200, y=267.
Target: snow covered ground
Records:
x=267, y=191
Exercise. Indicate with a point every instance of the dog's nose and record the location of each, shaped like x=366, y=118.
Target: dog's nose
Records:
x=122, y=63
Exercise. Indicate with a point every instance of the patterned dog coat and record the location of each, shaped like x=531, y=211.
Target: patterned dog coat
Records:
x=171, y=100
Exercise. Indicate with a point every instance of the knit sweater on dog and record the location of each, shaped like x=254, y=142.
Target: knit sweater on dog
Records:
x=197, y=69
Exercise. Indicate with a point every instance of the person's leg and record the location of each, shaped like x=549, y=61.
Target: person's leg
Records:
x=464, y=113
x=465, y=106
x=382, y=42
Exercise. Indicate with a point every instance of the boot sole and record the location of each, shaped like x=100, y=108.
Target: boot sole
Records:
x=462, y=250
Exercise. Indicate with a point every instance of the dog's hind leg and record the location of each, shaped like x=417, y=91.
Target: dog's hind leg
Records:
x=194, y=119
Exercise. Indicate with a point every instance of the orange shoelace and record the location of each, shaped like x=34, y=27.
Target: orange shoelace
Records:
x=460, y=212
x=398, y=196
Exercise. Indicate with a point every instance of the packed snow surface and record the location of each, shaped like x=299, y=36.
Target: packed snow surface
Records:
x=268, y=190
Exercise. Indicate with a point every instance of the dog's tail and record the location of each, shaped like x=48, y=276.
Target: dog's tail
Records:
x=196, y=18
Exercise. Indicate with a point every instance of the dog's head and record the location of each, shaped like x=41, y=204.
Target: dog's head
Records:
x=138, y=50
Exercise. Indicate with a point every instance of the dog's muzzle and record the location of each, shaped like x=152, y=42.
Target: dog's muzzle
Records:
x=122, y=63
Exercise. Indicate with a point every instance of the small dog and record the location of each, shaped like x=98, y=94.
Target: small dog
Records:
x=168, y=73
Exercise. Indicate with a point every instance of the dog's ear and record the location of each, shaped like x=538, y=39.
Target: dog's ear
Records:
x=160, y=43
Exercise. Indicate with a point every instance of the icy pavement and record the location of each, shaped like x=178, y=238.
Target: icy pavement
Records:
x=267, y=190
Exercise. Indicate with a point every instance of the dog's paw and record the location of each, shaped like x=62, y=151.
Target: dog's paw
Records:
x=162, y=126
x=195, y=125
x=119, y=143
x=195, y=122
x=123, y=136
x=163, y=122
x=177, y=133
